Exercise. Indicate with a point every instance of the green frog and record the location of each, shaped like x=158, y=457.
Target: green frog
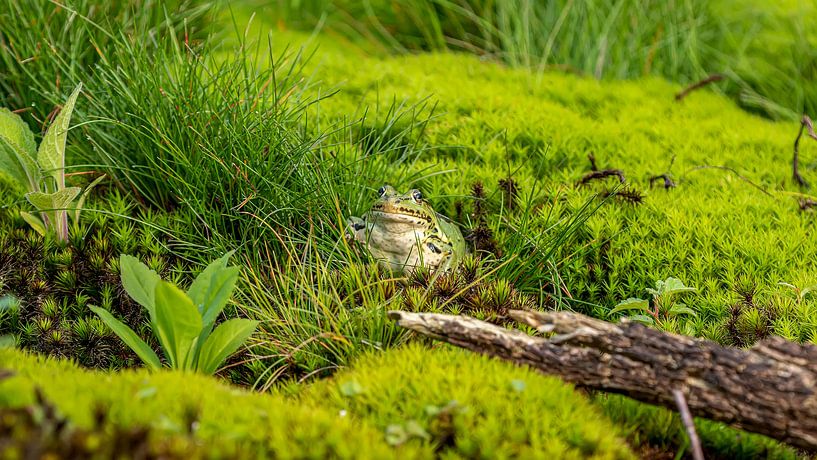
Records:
x=403, y=232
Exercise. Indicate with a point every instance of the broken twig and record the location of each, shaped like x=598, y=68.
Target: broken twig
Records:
x=695, y=86
x=805, y=122
x=689, y=424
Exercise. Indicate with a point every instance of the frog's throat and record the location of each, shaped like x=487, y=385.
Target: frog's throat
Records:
x=405, y=216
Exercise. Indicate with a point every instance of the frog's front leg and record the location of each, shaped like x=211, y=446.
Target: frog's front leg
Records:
x=355, y=228
x=441, y=254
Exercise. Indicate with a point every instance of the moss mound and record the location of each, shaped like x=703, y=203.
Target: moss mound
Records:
x=173, y=409
x=459, y=404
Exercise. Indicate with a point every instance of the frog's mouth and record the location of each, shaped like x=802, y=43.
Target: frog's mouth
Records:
x=398, y=215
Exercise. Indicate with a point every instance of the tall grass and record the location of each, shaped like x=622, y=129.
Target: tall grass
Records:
x=767, y=52
x=227, y=137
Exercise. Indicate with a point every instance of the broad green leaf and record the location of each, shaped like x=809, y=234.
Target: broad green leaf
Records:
x=61, y=199
x=18, y=165
x=643, y=319
x=223, y=342
x=177, y=324
x=139, y=282
x=17, y=131
x=81, y=202
x=221, y=288
x=673, y=285
x=211, y=290
x=682, y=309
x=145, y=353
x=35, y=222
x=630, y=304
x=51, y=154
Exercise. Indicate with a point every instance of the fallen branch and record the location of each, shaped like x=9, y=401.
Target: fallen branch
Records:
x=805, y=122
x=689, y=425
x=695, y=86
x=668, y=182
x=770, y=389
x=594, y=175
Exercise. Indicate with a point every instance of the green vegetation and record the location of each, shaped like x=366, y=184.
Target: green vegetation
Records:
x=478, y=407
x=765, y=52
x=184, y=412
x=54, y=283
x=42, y=172
x=182, y=322
x=221, y=134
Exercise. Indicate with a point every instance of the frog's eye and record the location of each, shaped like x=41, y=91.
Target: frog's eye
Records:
x=381, y=191
x=417, y=195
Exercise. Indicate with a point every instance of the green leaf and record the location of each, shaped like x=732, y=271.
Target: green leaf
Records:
x=643, y=319
x=351, y=388
x=18, y=165
x=177, y=324
x=630, y=304
x=17, y=150
x=139, y=282
x=681, y=309
x=212, y=289
x=51, y=154
x=35, y=222
x=16, y=130
x=81, y=202
x=145, y=353
x=223, y=342
x=673, y=285
x=61, y=199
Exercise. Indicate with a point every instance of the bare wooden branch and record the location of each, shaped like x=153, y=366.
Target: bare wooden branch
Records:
x=689, y=424
x=698, y=85
x=604, y=173
x=805, y=123
x=770, y=389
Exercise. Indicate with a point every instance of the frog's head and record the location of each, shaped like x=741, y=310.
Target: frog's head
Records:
x=408, y=209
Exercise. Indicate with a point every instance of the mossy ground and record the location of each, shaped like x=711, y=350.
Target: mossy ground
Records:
x=379, y=408
x=732, y=227
x=444, y=123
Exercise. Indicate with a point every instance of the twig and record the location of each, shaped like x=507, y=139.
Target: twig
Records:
x=805, y=122
x=727, y=168
x=601, y=175
x=689, y=425
x=807, y=203
x=710, y=79
x=668, y=182
x=592, y=159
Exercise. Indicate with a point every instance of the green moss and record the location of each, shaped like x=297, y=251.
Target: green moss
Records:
x=716, y=231
x=662, y=429
x=191, y=409
x=461, y=404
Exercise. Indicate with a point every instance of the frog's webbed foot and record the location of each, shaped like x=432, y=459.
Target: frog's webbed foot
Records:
x=444, y=252
x=353, y=226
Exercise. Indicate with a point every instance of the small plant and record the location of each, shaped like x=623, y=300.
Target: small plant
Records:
x=42, y=171
x=663, y=306
x=182, y=322
x=799, y=292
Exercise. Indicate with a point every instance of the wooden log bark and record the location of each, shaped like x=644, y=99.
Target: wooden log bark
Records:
x=770, y=389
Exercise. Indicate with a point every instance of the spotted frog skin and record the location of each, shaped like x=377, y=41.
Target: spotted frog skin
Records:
x=403, y=232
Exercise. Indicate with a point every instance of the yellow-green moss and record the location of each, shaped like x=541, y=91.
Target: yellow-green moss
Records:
x=226, y=420
x=466, y=405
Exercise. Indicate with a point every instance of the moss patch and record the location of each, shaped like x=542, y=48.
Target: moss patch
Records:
x=461, y=404
x=193, y=409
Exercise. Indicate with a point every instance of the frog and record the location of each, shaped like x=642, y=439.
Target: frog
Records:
x=403, y=232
